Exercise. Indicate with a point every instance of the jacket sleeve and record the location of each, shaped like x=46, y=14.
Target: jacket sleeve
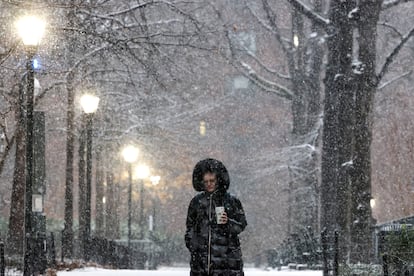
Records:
x=190, y=224
x=237, y=222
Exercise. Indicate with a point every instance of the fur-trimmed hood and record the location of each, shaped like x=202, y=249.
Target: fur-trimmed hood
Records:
x=214, y=166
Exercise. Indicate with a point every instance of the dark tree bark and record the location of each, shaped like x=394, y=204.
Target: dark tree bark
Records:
x=314, y=108
x=67, y=246
x=346, y=167
x=67, y=241
x=335, y=148
x=16, y=219
x=112, y=226
x=345, y=121
x=304, y=57
x=361, y=216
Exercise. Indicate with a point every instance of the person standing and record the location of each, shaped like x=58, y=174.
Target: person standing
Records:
x=215, y=218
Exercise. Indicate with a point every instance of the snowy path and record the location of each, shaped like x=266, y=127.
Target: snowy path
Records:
x=168, y=271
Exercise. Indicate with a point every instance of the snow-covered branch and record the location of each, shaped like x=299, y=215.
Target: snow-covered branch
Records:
x=391, y=81
x=86, y=57
x=267, y=85
x=307, y=11
x=266, y=68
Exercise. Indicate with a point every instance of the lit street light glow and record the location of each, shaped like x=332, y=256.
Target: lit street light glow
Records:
x=31, y=29
x=130, y=153
x=142, y=171
x=155, y=180
x=89, y=103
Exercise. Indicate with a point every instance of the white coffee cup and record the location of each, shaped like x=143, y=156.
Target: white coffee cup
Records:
x=219, y=213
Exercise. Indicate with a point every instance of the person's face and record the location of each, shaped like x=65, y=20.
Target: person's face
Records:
x=210, y=182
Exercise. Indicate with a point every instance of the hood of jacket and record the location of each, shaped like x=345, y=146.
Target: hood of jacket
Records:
x=214, y=166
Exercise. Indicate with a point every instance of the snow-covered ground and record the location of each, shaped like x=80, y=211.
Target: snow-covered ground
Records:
x=175, y=271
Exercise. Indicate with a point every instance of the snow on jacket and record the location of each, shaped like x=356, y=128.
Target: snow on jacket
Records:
x=215, y=248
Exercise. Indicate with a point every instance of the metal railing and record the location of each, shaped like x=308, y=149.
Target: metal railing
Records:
x=115, y=254
x=306, y=251
x=395, y=266
x=104, y=252
x=330, y=253
x=142, y=254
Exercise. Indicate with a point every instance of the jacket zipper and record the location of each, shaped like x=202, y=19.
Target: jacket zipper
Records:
x=209, y=236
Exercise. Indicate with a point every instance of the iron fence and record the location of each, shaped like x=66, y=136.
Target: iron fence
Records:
x=396, y=266
x=103, y=252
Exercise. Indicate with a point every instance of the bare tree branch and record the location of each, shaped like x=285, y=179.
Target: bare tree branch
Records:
x=386, y=24
x=267, y=85
x=387, y=83
x=3, y=57
x=266, y=68
x=391, y=3
x=307, y=11
x=393, y=54
x=6, y=152
x=271, y=16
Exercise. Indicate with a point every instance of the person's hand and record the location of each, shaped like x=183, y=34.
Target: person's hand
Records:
x=224, y=218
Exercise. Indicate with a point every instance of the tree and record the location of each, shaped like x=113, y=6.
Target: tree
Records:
x=12, y=127
x=350, y=82
x=354, y=175
x=297, y=83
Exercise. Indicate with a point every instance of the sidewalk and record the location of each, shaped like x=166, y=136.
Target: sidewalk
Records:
x=177, y=271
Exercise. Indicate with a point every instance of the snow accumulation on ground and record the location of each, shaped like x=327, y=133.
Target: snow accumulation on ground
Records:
x=177, y=271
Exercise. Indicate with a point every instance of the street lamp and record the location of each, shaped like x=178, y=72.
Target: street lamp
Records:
x=89, y=105
x=130, y=154
x=155, y=180
x=2, y=142
x=31, y=30
x=142, y=172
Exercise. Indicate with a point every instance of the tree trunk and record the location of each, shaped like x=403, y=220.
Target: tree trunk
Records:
x=67, y=245
x=361, y=232
x=334, y=188
x=303, y=190
x=345, y=121
x=112, y=225
x=67, y=241
x=16, y=219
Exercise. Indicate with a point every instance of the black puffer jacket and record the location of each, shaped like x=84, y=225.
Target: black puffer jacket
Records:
x=215, y=248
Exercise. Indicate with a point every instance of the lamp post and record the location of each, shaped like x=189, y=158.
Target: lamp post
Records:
x=155, y=180
x=31, y=30
x=142, y=172
x=2, y=141
x=130, y=154
x=89, y=104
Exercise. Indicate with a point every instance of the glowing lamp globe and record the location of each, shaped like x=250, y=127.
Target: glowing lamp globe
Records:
x=31, y=29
